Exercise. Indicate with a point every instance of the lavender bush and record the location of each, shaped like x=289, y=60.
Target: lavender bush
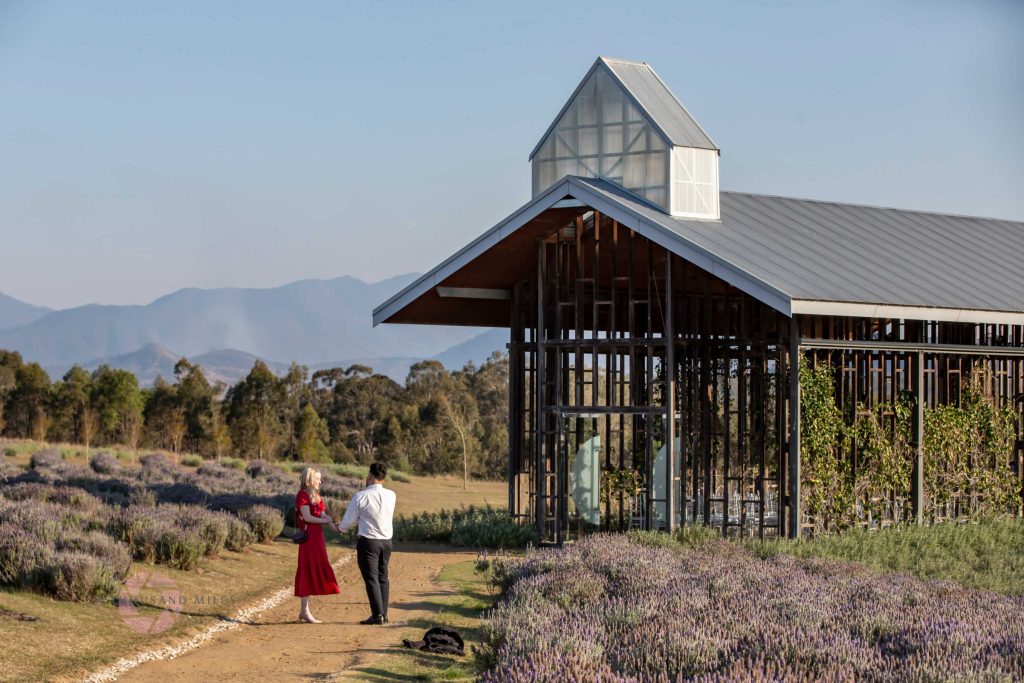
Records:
x=104, y=463
x=179, y=548
x=44, y=547
x=46, y=459
x=266, y=522
x=71, y=532
x=613, y=609
x=239, y=535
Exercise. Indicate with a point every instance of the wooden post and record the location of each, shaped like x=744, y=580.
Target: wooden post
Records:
x=670, y=400
x=540, y=497
x=794, y=428
x=917, y=487
x=515, y=377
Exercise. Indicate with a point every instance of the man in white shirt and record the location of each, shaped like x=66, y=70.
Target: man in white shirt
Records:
x=373, y=509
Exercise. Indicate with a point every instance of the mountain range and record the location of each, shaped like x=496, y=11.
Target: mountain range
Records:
x=14, y=313
x=319, y=323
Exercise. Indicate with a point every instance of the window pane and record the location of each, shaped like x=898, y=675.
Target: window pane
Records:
x=656, y=163
x=634, y=167
x=612, y=140
x=588, y=142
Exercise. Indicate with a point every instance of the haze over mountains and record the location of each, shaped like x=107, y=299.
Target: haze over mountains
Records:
x=319, y=323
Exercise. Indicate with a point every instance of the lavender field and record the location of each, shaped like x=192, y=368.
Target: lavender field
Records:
x=612, y=608
x=72, y=532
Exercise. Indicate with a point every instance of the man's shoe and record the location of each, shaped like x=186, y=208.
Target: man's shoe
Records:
x=375, y=620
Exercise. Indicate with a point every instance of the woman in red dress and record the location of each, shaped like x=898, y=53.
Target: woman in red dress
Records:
x=314, y=575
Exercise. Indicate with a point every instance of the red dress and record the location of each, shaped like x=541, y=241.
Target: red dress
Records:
x=314, y=575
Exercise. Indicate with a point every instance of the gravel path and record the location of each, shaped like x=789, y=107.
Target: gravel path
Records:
x=267, y=643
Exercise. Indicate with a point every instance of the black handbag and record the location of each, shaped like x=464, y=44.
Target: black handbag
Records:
x=300, y=535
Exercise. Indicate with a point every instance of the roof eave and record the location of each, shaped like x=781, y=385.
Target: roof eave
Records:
x=431, y=279
x=854, y=309
x=577, y=188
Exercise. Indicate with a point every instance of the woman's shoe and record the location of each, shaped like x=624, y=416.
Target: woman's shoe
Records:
x=309, y=619
x=375, y=620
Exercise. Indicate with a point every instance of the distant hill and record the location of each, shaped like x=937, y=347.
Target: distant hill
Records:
x=154, y=360
x=478, y=349
x=14, y=313
x=230, y=365
x=310, y=321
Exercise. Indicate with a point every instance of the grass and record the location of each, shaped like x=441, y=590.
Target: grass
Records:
x=460, y=610
x=987, y=554
x=91, y=635
x=19, y=451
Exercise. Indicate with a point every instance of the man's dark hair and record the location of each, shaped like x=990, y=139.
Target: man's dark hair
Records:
x=378, y=471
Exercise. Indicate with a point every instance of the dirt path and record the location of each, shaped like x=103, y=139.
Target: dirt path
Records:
x=279, y=648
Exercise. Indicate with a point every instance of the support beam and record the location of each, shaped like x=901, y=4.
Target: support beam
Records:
x=515, y=407
x=917, y=436
x=540, y=495
x=794, y=428
x=911, y=347
x=473, y=293
x=670, y=401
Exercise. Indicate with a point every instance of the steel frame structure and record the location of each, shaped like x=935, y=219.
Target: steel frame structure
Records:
x=690, y=383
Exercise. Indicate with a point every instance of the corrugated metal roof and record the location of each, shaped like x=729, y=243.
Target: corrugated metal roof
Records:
x=664, y=109
x=806, y=256
x=650, y=94
x=826, y=251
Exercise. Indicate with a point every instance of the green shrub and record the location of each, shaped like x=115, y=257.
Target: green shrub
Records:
x=987, y=554
x=191, y=460
x=76, y=576
x=179, y=548
x=139, y=528
x=212, y=527
x=345, y=469
x=239, y=535
x=10, y=452
x=266, y=522
x=480, y=527
x=21, y=557
x=233, y=463
x=114, y=555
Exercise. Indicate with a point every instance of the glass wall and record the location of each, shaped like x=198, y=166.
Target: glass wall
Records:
x=603, y=135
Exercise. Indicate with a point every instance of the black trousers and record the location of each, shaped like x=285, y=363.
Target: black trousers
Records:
x=373, y=556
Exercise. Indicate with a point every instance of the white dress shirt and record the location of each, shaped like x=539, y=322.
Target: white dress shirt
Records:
x=374, y=509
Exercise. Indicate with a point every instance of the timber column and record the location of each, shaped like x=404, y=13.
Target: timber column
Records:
x=794, y=428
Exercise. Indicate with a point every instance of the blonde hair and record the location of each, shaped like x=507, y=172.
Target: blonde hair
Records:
x=306, y=482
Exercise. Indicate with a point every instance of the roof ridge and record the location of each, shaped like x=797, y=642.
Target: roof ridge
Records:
x=624, y=61
x=871, y=206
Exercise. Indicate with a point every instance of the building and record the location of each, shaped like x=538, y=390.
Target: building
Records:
x=656, y=325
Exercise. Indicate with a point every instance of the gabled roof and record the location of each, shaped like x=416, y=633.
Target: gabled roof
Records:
x=804, y=256
x=650, y=94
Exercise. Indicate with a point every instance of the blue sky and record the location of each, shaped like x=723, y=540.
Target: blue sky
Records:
x=146, y=147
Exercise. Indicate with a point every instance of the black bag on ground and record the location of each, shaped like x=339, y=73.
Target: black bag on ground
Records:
x=440, y=639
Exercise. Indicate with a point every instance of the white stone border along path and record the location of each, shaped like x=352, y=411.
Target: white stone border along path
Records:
x=244, y=616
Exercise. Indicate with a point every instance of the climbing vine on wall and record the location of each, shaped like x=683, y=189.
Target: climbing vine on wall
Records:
x=884, y=457
x=968, y=450
x=826, y=485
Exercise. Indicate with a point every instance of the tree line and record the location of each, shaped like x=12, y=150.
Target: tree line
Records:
x=437, y=422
